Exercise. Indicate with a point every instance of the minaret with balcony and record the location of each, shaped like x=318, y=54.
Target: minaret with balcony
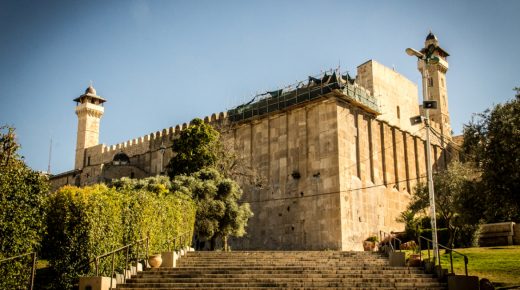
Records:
x=436, y=82
x=89, y=108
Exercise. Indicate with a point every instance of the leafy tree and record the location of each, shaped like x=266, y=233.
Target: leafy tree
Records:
x=197, y=147
x=492, y=142
x=454, y=193
x=202, y=145
x=22, y=207
x=219, y=213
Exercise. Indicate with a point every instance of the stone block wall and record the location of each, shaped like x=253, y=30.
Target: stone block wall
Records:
x=295, y=153
x=397, y=95
x=355, y=176
x=516, y=237
x=380, y=165
x=497, y=234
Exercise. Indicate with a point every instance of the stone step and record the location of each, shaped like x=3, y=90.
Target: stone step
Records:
x=272, y=269
x=441, y=287
x=317, y=255
x=282, y=275
x=422, y=285
x=277, y=279
x=279, y=263
x=344, y=274
x=256, y=270
x=284, y=260
x=329, y=262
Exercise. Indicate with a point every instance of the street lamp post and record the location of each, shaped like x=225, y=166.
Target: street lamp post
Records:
x=428, y=59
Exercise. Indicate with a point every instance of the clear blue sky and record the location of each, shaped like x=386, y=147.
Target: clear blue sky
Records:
x=161, y=63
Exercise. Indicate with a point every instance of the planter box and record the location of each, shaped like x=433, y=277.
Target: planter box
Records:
x=169, y=259
x=457, y=282
x=414, y=260
x=397, y=259
x=429, y=267
x=96, y=283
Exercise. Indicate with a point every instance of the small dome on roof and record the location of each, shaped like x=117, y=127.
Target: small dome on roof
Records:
x=90, y=90
x=92, y=94
x=431, y=36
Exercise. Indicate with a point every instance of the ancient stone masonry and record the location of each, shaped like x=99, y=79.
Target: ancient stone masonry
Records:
x=339, y=157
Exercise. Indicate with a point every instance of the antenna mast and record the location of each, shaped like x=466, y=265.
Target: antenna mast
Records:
x=50, y=155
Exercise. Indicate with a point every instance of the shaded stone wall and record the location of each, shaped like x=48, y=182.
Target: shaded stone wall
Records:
x=355, y=176
x=380, y=166
x=296, y=154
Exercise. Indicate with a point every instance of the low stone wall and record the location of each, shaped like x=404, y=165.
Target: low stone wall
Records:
x=516, y=236
x=497, y=234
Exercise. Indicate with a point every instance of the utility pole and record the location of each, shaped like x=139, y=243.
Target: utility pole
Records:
x=428, y=59
x=50, y=156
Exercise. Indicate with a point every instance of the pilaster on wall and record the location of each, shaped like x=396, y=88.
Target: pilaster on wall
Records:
x=296, y=154
x=381, y=164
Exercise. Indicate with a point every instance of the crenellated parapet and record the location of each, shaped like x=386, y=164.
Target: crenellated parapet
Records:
x=154, y=140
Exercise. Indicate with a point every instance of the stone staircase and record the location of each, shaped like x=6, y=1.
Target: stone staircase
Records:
x=283, y=270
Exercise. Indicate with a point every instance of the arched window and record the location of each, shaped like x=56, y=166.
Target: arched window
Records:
x=121, y=159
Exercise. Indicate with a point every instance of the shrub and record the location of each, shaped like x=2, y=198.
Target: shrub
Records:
x=82, y=223
x=86, y=222
x=22, y=203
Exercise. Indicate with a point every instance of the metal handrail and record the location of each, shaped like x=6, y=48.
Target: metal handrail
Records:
x=181, y=238
x=428, y=241
x=112, y=253
x=392, y=240
x=33, y=271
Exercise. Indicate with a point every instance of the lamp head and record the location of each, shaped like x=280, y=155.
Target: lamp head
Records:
x=413, y=52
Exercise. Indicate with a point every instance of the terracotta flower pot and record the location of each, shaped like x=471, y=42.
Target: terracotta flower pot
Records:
x=155, y=261
x=368, y=246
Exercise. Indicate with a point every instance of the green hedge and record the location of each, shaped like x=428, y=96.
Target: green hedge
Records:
x=22, y=208
x=89, y=221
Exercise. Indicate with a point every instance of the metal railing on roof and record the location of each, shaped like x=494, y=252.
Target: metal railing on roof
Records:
x=316, y=87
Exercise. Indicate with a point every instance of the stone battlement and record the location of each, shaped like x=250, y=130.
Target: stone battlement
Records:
x=141, y=144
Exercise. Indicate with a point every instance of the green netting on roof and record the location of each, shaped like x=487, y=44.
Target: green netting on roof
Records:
x=343, y=86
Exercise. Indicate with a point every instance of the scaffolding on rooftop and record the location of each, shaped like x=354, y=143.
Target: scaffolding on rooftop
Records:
x=323, y=84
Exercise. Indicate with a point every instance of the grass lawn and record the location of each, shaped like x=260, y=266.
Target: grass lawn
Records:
x=501, y=265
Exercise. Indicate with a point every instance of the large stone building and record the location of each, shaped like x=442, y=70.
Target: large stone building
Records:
x=339, y=156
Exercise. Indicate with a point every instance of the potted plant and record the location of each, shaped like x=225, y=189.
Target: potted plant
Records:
x=155, y=261
x=415, y=258
x=370, y=243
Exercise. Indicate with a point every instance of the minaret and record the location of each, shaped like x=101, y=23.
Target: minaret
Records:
x=89, y=108
x=436, y=82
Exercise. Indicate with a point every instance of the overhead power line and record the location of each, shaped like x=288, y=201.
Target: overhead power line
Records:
x=333, y=192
